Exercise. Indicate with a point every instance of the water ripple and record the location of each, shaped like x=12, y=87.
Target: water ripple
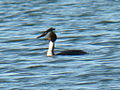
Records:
x=87, y=25
x=107, y=22
x=15, y=40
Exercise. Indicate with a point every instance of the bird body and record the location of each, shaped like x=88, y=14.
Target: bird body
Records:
x=52, y=38
x=72, y=52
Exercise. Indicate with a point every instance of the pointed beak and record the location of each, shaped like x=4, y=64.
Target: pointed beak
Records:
x=46, y=32
x=42, y=35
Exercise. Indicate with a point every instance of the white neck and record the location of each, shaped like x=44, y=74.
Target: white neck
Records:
x=50, y=51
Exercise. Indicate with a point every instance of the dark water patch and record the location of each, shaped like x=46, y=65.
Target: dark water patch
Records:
x=36, y=14
x=37, y=66
x=30, y=54
x=2, y=68
x=98, y=35
x=57, y=77
x=107, y=22
x=60, y=61
x=86, y=14
x=72, y=40
x=34, y=11
x=5, y=62
x=69, y=4
x=18, y=88
x=12, y=2
x=14, y=40
x=11, y=16
x=2, y=14
x=83, y=76
x=3, y=21
x=28, y=24
x=6, y=80
x=106, y=80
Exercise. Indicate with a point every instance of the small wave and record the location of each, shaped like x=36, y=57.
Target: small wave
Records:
x=30, y=54
x=36, y=66
x=15, y=40
x=27, y=24
x=107, y=22
x=59, y=61
x=13, y=2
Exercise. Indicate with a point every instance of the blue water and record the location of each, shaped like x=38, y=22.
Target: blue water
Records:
x=89, y=25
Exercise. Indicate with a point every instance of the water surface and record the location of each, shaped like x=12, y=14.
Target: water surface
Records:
x=89, y=25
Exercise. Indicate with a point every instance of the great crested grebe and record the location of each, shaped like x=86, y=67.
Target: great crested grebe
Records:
x=52, y=38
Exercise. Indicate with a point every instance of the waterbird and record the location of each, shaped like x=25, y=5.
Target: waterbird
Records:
x=51, y=36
